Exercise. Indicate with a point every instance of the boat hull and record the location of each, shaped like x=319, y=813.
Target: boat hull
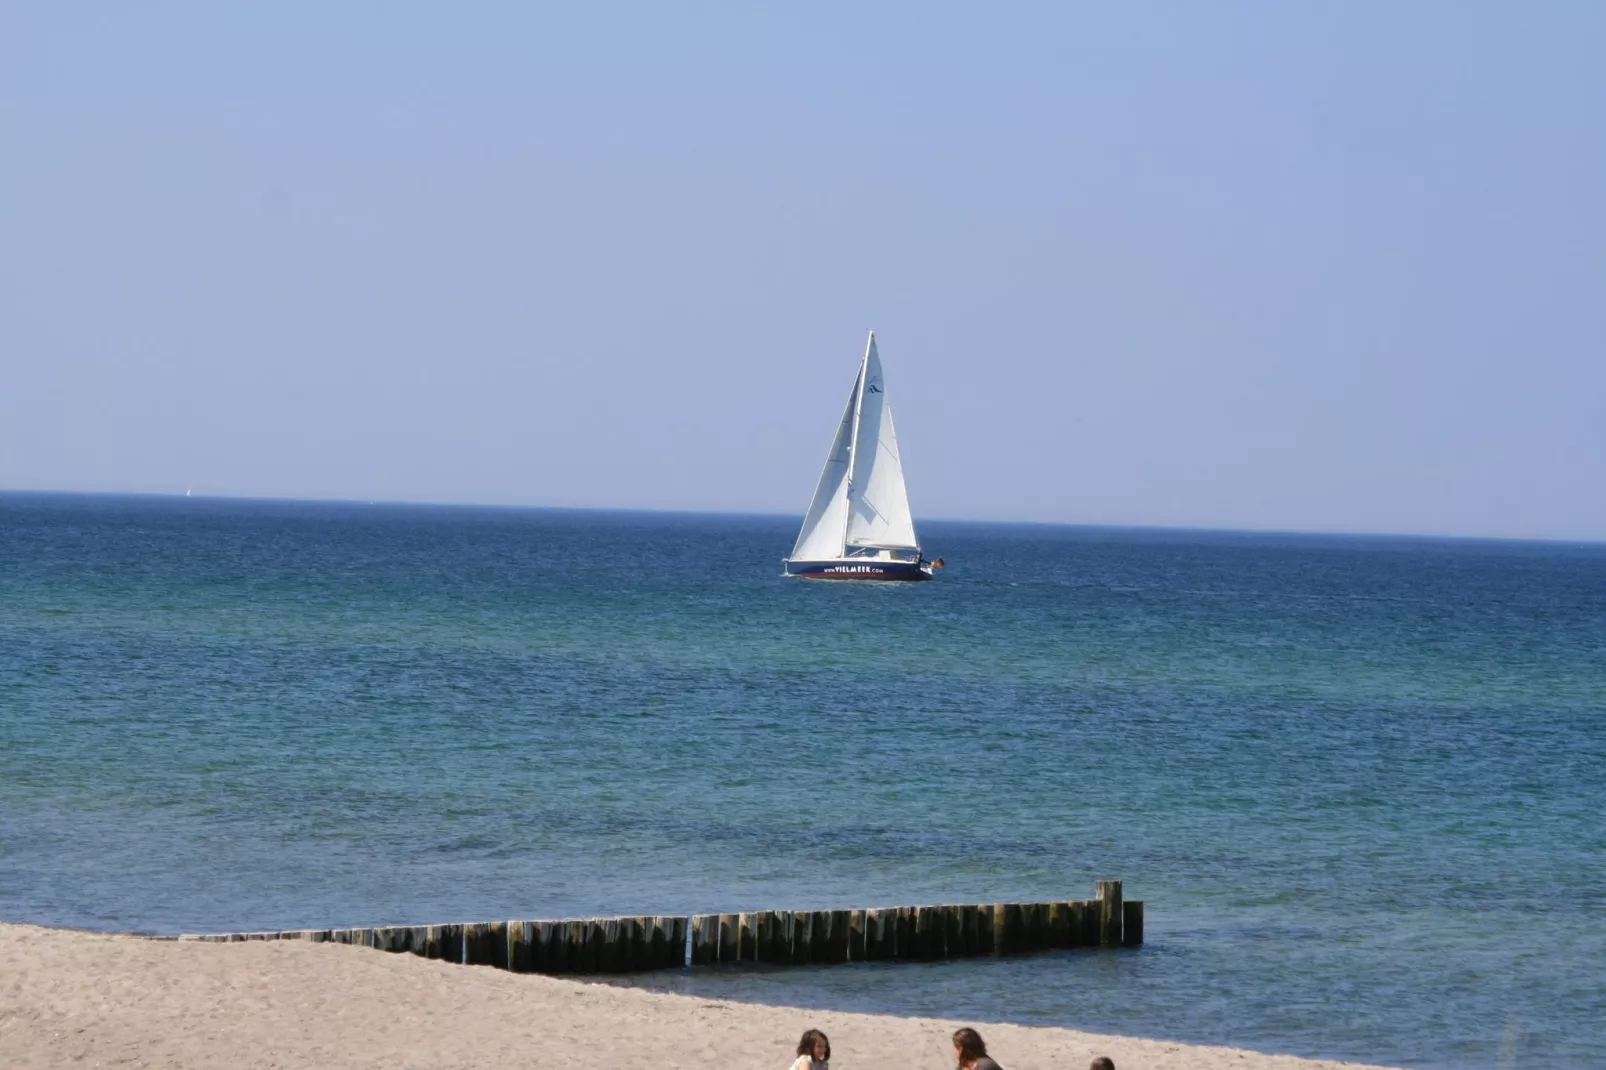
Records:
x=858, y=570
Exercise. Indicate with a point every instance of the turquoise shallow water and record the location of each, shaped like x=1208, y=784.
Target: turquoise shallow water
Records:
x=1358, y=781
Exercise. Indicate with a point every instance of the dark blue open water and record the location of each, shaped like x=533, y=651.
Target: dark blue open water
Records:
x=1359, y=781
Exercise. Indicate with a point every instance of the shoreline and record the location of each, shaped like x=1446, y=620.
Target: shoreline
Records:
x=72, y=997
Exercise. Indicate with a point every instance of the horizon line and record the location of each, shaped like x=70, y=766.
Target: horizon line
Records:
x=688, y=511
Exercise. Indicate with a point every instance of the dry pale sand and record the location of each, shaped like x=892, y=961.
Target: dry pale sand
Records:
x=89, y=999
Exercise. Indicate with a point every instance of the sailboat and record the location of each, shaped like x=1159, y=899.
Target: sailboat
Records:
x=858, y=526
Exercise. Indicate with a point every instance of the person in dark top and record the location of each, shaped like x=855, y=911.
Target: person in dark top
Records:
x=970, y=1050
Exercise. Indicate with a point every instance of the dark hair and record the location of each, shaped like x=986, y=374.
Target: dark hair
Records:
x=806, y=1045
x=1103, y=1062
x=970, y=1044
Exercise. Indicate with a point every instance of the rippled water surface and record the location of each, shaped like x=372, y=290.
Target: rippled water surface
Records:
x=1359, y=782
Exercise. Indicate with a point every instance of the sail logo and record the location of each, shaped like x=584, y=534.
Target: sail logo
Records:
x=874, y=387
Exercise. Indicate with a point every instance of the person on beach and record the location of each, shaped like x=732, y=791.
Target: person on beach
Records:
x=971, y=1051
x=1103, y=1062
x=813, y=1052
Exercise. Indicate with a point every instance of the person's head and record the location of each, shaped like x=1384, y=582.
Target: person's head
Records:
x=1103, y=1062
x=968, y=1046
x=815, y=1046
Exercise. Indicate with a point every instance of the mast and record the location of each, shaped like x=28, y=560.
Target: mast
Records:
x=853, y=444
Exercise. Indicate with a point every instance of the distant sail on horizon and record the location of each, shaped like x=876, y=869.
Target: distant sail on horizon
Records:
x=858, y=525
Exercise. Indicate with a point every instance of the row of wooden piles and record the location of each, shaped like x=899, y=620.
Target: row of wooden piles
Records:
x=779, y=937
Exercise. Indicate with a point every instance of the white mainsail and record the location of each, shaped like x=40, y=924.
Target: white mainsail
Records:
x=861, y=500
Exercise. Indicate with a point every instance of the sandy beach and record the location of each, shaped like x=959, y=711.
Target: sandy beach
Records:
x=88, y=999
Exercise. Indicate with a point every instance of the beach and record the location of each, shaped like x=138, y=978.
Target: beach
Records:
x=91, y=999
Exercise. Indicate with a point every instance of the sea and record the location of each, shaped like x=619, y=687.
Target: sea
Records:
x=1359, y=782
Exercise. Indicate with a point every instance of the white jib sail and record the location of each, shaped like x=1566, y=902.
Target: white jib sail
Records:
x=821, y=536
x=878, y=500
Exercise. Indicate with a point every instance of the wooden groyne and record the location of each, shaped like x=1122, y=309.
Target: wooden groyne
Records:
x=777, y=937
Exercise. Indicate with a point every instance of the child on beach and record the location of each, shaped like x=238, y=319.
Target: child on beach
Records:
x=971, y=1051
x=813, y=1052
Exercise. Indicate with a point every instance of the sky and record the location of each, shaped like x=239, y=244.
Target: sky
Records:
x=1334, y=267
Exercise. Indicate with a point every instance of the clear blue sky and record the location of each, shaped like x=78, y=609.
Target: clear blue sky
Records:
x=1300, y=266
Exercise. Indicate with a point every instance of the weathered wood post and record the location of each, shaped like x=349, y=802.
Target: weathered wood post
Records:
x=820, y=936
x=1034, y=918
x=520, y=949
x=555, y=945
x=1131, y=923
x=841, y=938
x=1058, y=925
x=1109, y=899
x=764, y=936
x=953, y=934
x=729, y=936
x=485, y=944
x=787, y=926
x=747, y=937
x=857, y=936
x=400, y=938
x=663, y=952
x=640, y=941
x=444, y=942
x=580, y=951
x=879, y=928
x=802, y=937
x=704, y=939
x=904, y=946
x=611, y=946
x=928, y=933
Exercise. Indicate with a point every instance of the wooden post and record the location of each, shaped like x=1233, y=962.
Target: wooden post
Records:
x=1090, y=922
x=659, y=940
x=820, y=936
x=554, y=953
x=444, y=942
x=1012, y=940
x=704, y=939
x=393, y=938
x=1059, y=926
x=747, y=937
x=764, y=936
x=856, y=936
x=802, y=937
x=1132, y=923
x=841, y=937
x=953, y=931
x=609, y=944
x=927, y=934
x=678, y=939
x=1034, y=920
x=1109, y=898
x=880, y=926
x=519, y=940
x=905, y=946
x=637, y=932
x=968, y=936
x=792, y=923
x=580, y=950
x=596, y=943
x=729, y=936
x=485, y=944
